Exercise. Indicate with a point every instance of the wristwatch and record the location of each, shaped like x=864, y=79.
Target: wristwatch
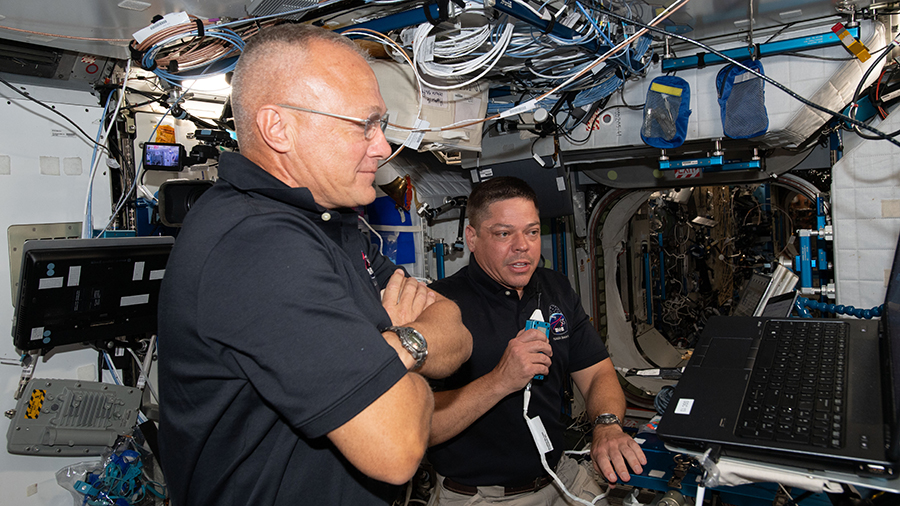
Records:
x=413, y=341
x=606, y=419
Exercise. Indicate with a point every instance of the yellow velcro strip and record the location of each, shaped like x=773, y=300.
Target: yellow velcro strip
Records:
x=668, y=90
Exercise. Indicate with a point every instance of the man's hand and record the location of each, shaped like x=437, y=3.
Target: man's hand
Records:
x=405, y=298
x=525, y=356
x=612, y=449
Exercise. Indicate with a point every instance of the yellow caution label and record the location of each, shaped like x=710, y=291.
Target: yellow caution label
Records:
x=856, y=47
x=33, y=409
x=667, y=90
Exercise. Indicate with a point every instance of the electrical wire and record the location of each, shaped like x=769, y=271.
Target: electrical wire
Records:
x=138, y=174
x=533, y=102
x=59, y=36
x=380, y=239
x=221, y=40
x=791, y=93
x=527, y=400
x=146, y=374
x=116, y=380
x=87, y=225
x=54, y=111
x=87, y=218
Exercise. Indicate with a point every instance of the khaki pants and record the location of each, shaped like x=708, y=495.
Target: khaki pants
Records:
x=576, y=478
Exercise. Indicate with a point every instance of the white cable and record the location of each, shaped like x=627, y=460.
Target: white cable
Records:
x=455, y=70
x=145, y=374
x=87, y=224
x=112, y=368
x=384, y=39
x=380, y=240
x=140, y=168
x=148, y=358
x=527, y=397
x=701, y=491
x=117, y=381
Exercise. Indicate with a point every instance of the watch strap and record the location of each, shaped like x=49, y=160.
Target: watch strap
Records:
x=606, y=419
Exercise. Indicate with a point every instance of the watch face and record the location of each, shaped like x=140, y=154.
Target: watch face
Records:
x=414, y=343
x=416, y=338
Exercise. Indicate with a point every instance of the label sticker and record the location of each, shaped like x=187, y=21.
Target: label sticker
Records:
x=414, y=139
x=169, y=20
x=74, y=275
x=134, y=300
x=688, y=173
x=48, y=283
x=138, y=272
x=541, y=439
x=684, y=407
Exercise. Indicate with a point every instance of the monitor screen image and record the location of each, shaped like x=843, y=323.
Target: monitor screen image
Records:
x=85, y=290
x=163, y=156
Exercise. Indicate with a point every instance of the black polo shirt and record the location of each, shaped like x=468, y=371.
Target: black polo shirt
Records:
x=269, y=339
x=498, y=448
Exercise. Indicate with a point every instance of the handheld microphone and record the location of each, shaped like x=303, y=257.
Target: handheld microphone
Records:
x=536, y=321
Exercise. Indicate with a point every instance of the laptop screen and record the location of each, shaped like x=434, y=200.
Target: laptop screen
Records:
x=891, y=326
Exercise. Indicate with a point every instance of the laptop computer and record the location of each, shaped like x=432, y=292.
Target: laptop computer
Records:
x=723, y=400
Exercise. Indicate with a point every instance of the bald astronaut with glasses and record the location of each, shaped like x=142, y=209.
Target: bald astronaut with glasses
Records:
x=286, y=377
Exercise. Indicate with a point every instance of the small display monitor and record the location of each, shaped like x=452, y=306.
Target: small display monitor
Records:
x=780, y=306
x=163, y=156
x=86, y=290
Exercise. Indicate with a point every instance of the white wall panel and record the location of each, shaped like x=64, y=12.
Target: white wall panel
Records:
x=865, y=194
x=28, y=135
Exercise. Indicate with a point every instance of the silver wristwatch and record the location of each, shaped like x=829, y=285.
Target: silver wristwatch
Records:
x=413, y=341
x=606, y=419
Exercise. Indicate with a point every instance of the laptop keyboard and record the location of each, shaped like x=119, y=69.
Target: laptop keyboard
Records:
x=796, y=388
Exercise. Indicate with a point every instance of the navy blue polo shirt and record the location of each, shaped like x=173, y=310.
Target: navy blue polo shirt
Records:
x=497, y=449
x=269, y=339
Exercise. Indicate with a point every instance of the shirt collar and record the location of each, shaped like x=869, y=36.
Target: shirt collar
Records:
x=479, y=277
x=248, y=177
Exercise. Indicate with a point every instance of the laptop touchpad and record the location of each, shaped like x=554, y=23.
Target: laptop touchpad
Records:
x=727, y=353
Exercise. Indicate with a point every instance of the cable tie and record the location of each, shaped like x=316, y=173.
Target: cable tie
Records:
x=431, y=19
x=550, y=24
x=200, y=32
x=138, y=56
x=443, y=10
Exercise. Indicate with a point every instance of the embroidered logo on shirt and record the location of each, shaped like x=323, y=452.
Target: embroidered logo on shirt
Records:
x=558, y=324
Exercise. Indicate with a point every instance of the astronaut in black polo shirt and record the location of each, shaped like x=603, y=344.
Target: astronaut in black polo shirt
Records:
x=480, y=442
x=286, y=377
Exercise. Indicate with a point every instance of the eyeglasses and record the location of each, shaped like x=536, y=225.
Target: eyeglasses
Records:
x=370, y=125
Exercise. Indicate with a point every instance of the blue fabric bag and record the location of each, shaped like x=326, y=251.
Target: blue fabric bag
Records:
x=742, y=101
x=666, y=112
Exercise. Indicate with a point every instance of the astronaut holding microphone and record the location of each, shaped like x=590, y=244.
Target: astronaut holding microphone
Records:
x=480, y=446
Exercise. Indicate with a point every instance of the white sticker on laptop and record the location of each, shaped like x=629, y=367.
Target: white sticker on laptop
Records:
x=684, y=407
